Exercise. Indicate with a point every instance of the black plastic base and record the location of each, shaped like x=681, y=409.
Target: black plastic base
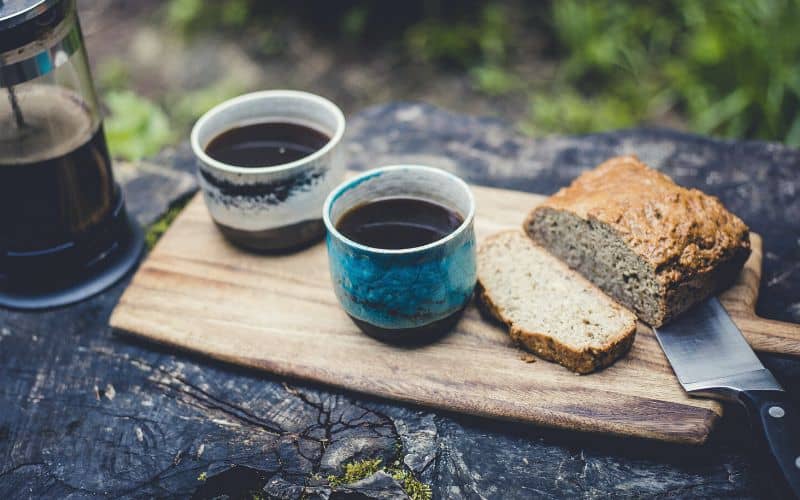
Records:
x=411, y=337
x=104, y=274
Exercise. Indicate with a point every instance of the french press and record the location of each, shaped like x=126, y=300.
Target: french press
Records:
x=64, y=231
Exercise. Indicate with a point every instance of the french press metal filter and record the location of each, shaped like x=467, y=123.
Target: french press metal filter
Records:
x=64, y=231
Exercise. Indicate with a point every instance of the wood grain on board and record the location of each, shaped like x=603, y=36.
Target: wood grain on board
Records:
x=279, y=314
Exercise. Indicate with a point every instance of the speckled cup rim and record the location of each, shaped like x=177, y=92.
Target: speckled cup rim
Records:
x=246, y=99
x=343, y=187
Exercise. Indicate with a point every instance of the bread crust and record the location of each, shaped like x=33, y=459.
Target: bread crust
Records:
x=581, y=361
x=693, y=245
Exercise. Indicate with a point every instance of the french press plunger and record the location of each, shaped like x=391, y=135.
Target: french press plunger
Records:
x=64, y=231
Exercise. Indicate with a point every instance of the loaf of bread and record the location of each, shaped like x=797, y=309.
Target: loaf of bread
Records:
x=654, y=246
x=550, y=309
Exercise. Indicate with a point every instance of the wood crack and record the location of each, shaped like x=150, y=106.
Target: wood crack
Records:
x=206, y=401
x=20, y=466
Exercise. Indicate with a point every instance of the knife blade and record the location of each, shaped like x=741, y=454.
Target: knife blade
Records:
x=712, y=359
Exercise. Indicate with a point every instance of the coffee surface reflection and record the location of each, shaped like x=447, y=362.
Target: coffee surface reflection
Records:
x=398, y=222
x=266, y=144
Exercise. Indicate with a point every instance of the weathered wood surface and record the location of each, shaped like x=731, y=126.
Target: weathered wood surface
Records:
x=279, y=313
x=85, y=412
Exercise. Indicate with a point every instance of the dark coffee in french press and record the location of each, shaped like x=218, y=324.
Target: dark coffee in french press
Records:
x=64, y=232
x=54, y=186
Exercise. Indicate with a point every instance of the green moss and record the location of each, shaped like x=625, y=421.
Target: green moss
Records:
x=414, y=488
x=159, y=227
x=356, y=471
x=362, y=469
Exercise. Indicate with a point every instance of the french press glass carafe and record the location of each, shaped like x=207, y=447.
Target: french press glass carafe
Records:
x=64, y=231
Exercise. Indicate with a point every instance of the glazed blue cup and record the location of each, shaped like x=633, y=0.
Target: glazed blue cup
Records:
x=411, y=294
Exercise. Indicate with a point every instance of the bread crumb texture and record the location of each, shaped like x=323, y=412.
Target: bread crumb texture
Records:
x=549, y=309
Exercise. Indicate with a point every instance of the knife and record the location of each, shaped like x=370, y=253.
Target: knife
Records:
x=712, y=359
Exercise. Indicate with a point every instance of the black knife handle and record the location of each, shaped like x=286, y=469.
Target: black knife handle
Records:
x=776, y=422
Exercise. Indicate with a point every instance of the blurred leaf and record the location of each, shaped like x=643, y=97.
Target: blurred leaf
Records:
x=793, y=137
x=182, y=13
x=494, y=33
x=268, y=43
x=465, y=43
x=189, y=15
x=354, y=21
x=235, y=12
x=567, y=111
x=494, y=80
x=730, y=67
x=189, y=106
x=722, y=111
x=136, y=127
x=453, y=43
x=706, y=47
x=113, y=75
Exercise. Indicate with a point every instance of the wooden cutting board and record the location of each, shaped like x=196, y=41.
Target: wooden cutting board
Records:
x=279, y=314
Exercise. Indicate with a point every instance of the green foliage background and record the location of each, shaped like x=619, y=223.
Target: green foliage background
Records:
x=728, y=67
x=723, y=67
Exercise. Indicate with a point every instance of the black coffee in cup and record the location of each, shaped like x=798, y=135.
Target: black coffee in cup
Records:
x=266, y=144
x=398, y=222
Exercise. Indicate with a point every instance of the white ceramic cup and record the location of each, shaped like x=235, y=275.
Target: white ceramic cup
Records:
x=270, y=208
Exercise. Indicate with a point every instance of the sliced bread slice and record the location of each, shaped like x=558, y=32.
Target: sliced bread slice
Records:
x=550, y=309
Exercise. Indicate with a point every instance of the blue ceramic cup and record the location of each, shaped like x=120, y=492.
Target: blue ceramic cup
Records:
x=411, y=294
